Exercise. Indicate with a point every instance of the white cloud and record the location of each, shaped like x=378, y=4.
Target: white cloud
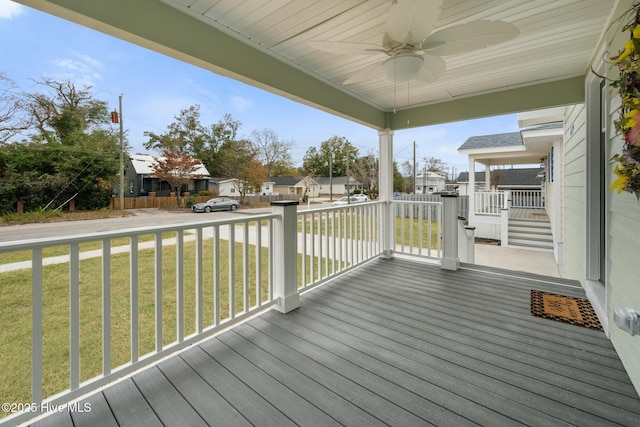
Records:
x=9, y=9
x=240, y=104
x=82, y=69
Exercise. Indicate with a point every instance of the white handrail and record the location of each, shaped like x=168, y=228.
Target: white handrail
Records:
x=244, y=292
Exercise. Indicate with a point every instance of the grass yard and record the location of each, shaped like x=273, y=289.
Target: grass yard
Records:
x=15, y=317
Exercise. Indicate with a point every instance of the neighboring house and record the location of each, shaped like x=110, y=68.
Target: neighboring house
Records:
x=337, y=185
x=140, y=179
x=225, y=186
x=267, y=189
x=295, y=185
x=509, y=179
x=429, y=182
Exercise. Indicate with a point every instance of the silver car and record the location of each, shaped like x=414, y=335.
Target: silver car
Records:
x=216, y=204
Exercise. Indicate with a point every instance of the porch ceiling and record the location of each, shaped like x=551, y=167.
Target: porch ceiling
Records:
x=266, y=44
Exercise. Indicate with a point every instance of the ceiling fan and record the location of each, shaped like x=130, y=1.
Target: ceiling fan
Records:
x=413, y=48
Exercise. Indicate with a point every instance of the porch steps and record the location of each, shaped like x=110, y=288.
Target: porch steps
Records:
x=530, y=234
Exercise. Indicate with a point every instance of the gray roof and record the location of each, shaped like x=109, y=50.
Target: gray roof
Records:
x=510, y=177
x=284, y=180
x=492, y=141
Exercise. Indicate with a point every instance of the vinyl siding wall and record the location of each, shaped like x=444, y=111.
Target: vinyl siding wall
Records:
x=623, y=284
x=575, y=192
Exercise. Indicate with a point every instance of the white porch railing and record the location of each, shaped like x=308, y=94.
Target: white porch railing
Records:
x=332, y=240
x=418, y=228
x=528, y=199
x=143, y=294
x=107, y=304
x=489, y=202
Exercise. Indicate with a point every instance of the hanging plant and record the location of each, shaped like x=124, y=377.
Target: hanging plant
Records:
x=627, y=162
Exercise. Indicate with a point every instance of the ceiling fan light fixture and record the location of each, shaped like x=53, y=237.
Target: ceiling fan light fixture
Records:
x=403, y=68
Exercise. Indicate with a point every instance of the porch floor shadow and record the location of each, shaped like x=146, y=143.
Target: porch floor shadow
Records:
x=395, y=342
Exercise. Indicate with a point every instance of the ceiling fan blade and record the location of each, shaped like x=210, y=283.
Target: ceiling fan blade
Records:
x=470, y=36
x=348, y=48
x=370, y=72
x=433, y=68
x=412, y=21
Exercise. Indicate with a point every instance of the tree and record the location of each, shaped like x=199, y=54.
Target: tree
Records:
x=239, y=160
x=399, y=181
x=318, y=162
x=365, y=171
x=187, y=135
x=11, y=121
x=67, y=115
x=272, y=152
x=434, y=164
x=407, y=172
x=72, y=154
x=177, y=169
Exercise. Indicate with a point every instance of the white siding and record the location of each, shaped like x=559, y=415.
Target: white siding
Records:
x=575, y=192
x=623, y=278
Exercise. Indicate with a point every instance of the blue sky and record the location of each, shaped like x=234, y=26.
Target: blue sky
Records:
x=34, y=45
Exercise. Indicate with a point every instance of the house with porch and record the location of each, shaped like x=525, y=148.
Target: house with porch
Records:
x=429, y=182
x=357, y=315
x=520, y=207
x=296, y=185
x=140, y=179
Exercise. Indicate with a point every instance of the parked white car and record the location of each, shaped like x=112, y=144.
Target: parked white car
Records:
x=345, y=201
x=361, y=197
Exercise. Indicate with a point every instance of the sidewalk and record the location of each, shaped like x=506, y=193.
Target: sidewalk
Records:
x=536, y=262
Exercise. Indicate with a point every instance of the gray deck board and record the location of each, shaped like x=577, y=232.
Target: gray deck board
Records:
x=395, y=342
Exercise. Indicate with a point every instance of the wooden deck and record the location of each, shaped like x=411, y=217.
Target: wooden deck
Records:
x=396, y=342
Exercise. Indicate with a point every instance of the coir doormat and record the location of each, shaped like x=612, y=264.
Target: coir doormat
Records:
x=576, y=311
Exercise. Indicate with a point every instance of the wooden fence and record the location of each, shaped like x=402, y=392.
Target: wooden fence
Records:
x=172, y=202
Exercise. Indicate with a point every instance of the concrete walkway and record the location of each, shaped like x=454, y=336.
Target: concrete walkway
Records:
x=536, y=262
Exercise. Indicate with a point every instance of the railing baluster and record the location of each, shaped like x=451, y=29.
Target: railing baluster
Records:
x=74, y=315
x=326, y=238
x=258, y=263
x=198, y=284
x=305, y=240
x=36, y=326
x=180, y=285
x=232, y=271
x=245, y=266
x=271, y=258
x=312, y=234
x=216, y=275
x=106, y=307
x=133, y=289
x=158, y=289
x=334, y=238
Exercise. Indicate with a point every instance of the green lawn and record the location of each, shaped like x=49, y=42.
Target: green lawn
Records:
x=15, y=317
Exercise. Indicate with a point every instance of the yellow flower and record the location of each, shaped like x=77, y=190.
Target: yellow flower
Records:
x=628, y=50
x=636, y=32
x=631, y=117
x=619, y=184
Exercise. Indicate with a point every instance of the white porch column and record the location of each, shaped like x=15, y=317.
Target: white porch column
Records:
x=285, y=255
x=472, y=190
x=385, y=191
x=487, y=177
x=450, y=259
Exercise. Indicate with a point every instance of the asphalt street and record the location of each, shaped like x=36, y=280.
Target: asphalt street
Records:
x=141, y=218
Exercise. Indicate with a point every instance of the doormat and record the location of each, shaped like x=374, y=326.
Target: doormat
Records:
x=576, y=311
